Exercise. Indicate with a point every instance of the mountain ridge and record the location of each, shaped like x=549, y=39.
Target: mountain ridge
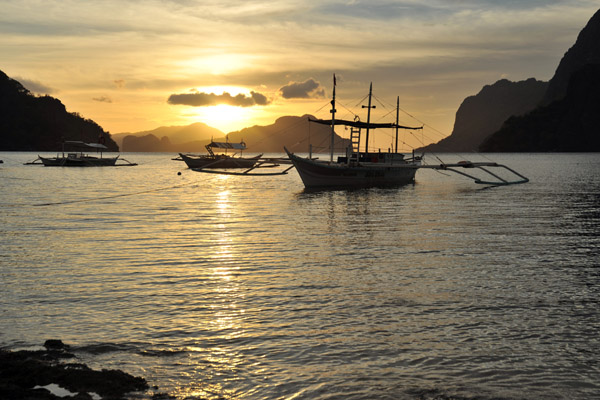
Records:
x=483, y=114
x=568, y=117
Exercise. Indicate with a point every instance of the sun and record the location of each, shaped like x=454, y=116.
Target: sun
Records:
x=224, y=117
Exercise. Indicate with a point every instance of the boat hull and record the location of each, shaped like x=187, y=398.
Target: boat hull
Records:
x=319, y=174
x=85, y=161
x=220, y=162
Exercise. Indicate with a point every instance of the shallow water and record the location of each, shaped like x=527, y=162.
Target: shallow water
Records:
x=216, y=286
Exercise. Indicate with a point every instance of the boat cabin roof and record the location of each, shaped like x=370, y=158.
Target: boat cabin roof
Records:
x=227, y=145
x=78, y=143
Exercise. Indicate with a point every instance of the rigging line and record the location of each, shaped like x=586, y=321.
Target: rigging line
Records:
x=322, y=107
x=423, y=123
x=443, y=135
x=380, y=102
x=347, y=109
x=361, y=100
x=113, y=196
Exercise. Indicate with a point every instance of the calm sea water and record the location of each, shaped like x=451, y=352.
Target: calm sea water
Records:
x=232, y=287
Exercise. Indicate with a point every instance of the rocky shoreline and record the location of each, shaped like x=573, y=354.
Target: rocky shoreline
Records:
x=43, y=375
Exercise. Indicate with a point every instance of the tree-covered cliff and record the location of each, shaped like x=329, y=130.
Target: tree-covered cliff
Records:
x=32, y=123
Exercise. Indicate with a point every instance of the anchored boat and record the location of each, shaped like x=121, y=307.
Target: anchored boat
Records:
x=219, y=163
x=78, y=158
x=220, y=160
x=366, y=168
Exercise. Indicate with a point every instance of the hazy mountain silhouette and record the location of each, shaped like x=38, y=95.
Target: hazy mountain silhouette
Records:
x=187, y=138
x=569, y=116
x=483, y=114
x=291, y=131
x=41, y=123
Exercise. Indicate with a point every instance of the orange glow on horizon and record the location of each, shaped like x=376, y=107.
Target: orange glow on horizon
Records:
x=223, y=117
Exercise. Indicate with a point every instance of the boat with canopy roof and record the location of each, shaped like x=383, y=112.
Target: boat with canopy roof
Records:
x=360, y=167
x=223, y=163
x=76, y=157
x=220, y=159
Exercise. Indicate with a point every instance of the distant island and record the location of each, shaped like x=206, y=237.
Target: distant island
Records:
x=289, y=131
x=187, y=138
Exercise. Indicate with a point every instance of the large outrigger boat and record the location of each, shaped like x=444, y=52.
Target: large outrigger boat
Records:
x=78, y=158
x=366, y=168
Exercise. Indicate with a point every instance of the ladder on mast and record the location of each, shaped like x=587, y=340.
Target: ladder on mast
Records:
x=355, y=139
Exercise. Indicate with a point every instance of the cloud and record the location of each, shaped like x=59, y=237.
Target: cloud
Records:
x=102, y=99
x=198, y=99
x=302, y=90
x=35, y=86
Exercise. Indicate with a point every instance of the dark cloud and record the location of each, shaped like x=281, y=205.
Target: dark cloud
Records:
x=102, y=99
x=198, y=99
x=302, y=90
x=35, y=86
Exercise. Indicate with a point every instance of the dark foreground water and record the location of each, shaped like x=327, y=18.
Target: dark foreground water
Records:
x=251, y=288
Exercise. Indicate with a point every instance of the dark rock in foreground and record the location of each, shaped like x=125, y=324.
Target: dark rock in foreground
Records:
x=22, y=371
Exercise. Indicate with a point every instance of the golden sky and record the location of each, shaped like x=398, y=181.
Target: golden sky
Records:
x=137, y=65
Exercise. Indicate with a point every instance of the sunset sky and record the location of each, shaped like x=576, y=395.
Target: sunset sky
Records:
x=137, y=65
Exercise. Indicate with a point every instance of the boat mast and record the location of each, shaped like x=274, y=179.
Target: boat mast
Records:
x=332, y=121
x=368, y=117
x=397, y=117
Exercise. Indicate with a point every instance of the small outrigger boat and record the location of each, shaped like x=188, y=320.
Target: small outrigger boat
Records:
x=364, y=168
x=79, y=158
x=220, y=160
x=223, y=163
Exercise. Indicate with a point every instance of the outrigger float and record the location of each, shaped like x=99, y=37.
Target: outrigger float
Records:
x=364, y=168
x=79, y=158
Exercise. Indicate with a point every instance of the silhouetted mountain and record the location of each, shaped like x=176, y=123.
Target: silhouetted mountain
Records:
x=571, y=124
x=187, y=138
x=150, y=143
x=569, y=117
x=32, y=123
x=293, y=132
x=586, y=50
x=483, y=114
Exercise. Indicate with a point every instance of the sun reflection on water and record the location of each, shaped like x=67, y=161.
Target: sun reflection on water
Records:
x=217, y=363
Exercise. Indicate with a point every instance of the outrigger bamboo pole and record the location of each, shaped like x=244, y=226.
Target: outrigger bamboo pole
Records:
x=332, y=122
x=397, y=118
x=368, y=117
